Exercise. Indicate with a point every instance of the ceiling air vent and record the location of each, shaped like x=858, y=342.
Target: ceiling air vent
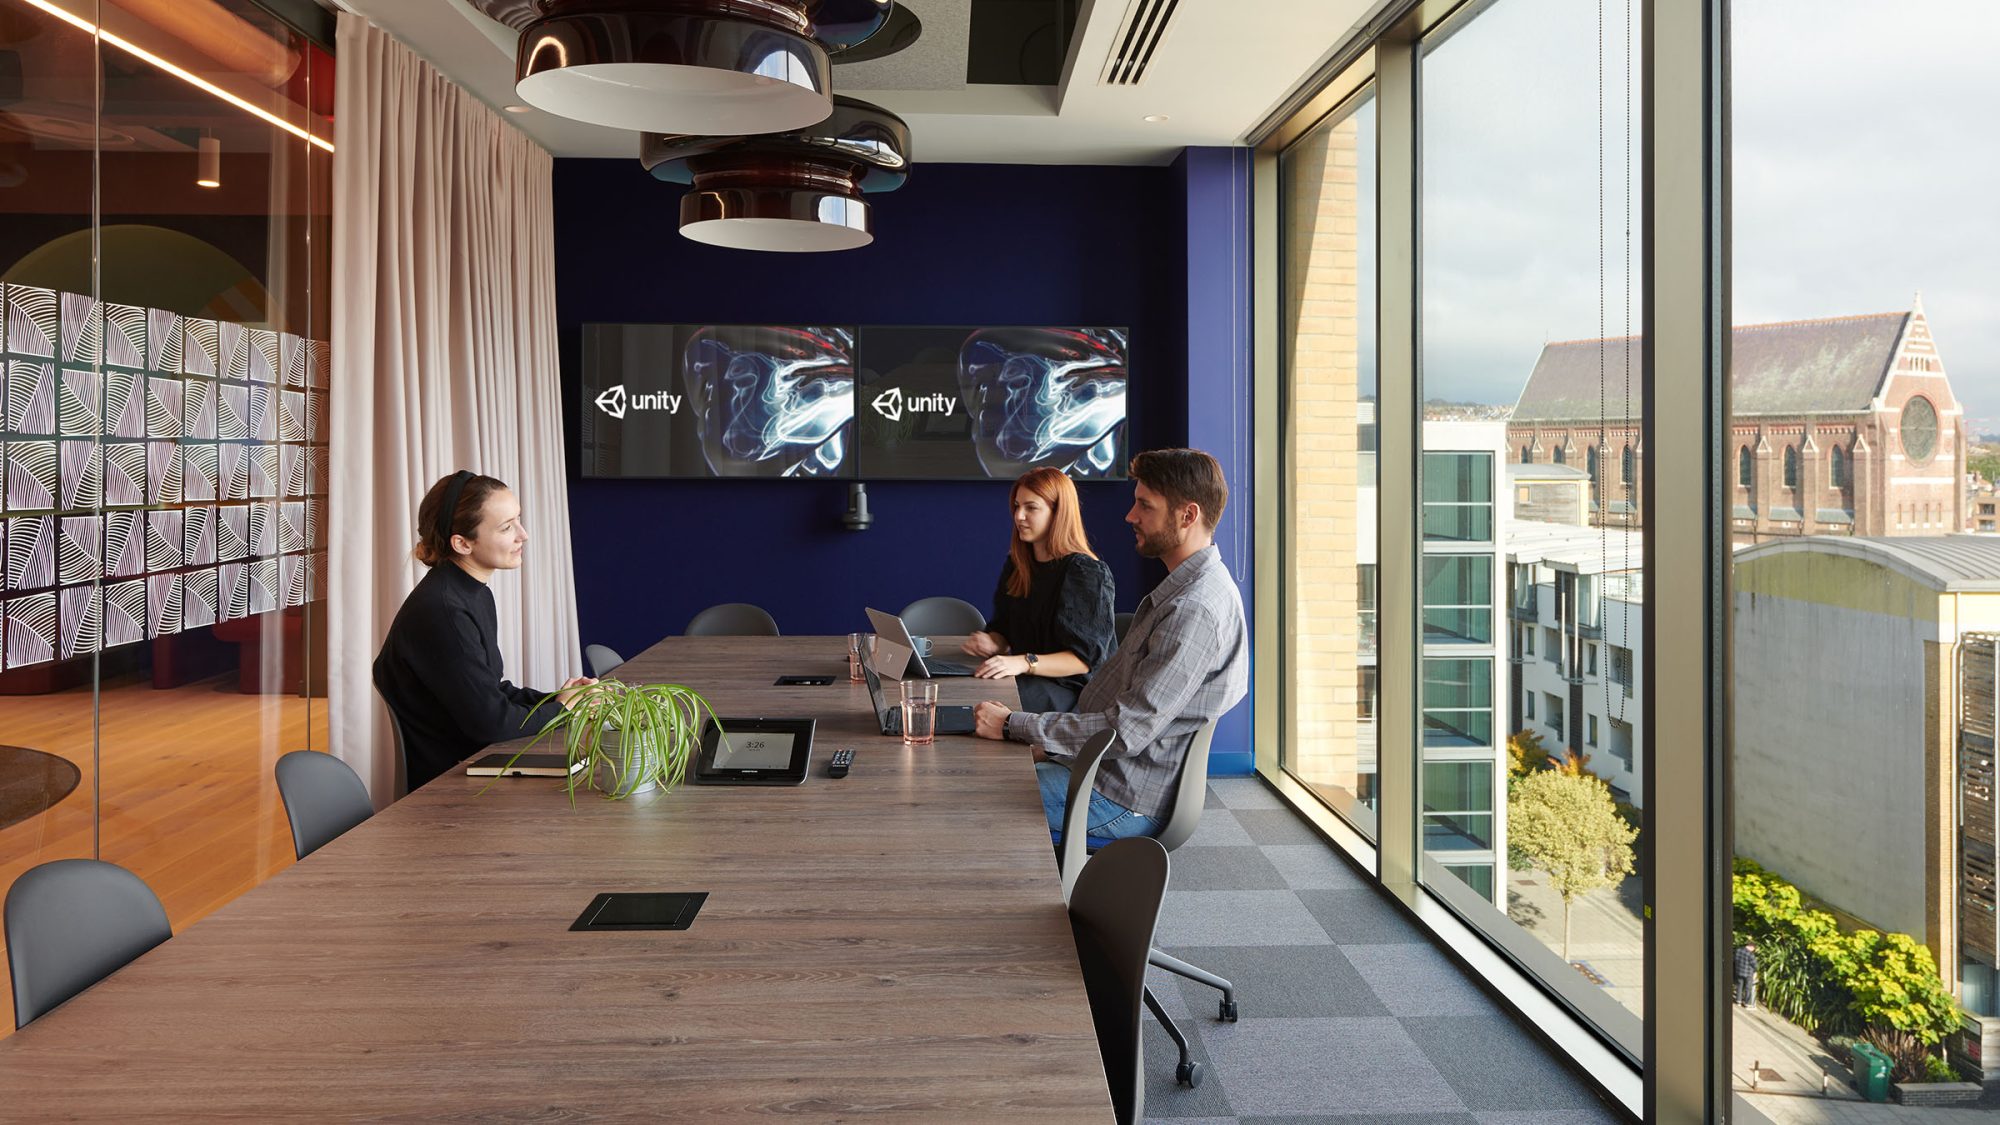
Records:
x=1139, y=35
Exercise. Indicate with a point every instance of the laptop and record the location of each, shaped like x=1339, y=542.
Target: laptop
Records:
x=950, y=720
x=890, y=626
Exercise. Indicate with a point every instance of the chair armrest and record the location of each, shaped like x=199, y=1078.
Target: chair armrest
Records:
x=1076, y=809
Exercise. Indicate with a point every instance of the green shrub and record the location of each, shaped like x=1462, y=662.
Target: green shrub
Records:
x=1938, y=1070
x=1831, y=982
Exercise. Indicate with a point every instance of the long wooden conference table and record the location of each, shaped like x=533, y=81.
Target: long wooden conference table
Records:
x=889, y=943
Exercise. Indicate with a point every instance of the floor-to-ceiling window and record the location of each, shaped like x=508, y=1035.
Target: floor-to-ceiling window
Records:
x=1866, y=342
x=1328, y=295
x=164, y=172
x=1528, y=197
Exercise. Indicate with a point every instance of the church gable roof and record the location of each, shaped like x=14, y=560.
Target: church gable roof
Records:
x=1793, y=367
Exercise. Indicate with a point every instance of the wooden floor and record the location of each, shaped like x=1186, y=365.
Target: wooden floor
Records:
x=189, y=801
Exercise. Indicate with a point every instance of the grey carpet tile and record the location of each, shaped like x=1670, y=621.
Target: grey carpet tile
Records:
x=1369, y=1119
x=1246, y=793
x=1547, y=1117
x=1167, y=989
x=1495, y=1064
x=1276, y=826
x=1414, y=979
x=1224, y=869
x=1219, y=828
x=1280, y=981
x=1314, y=867
x=1165, y=1098
x=1211, y=799
x=1365, y=1065
x=1363, y=917
x=1237, y=918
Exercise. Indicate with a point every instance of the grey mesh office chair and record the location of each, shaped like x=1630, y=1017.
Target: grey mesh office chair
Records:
x=323, y=798
x=1121, y=624
x=1112, y=913
x=942, y=616
x=602, y=660
x=733, y=619
x=71, y=923
x=1190, y=794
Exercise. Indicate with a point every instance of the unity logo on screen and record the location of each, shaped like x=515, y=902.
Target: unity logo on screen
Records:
x=615, y=403
x=889, y=404
x=881, y=402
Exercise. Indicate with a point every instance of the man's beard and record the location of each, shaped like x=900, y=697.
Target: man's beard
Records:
x=1156, y=545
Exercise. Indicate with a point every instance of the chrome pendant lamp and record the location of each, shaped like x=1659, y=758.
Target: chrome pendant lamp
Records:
x=801, y=190
x=702, y=67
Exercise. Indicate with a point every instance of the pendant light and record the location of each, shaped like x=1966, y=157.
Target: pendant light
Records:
x=703, y=67
x=795, y=191
x=208, y=162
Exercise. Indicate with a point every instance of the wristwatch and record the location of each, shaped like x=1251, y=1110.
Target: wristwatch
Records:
x=1031, y=658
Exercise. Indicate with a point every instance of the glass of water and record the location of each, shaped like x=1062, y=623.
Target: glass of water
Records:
x=920, y=712
x=860, y=647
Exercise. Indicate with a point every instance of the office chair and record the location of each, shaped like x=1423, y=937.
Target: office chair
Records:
x=733, y=619
x=323, y=798
x=1121, y=624
x=602, y=660
x=942, y=616
x=1112, y=914
x=1190, y=793
x=71, y=923
x=402, y=786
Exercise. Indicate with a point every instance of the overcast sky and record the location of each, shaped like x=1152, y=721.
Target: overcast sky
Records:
x=1867, y=167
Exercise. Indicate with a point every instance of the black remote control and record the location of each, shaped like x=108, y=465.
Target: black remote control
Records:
x=841, y=762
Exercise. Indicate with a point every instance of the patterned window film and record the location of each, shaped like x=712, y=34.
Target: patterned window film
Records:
x=161, y=473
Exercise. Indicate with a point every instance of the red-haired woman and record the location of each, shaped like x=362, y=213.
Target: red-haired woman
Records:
x=1052, y=619
x=439, y=669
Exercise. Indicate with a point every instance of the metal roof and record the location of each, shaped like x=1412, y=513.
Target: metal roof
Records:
x=1951, y=563
x=1577, y=549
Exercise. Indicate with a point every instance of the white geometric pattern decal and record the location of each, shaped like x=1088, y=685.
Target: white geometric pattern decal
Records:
x=124, y=544
x=31, y=552
x=125, y=475
x=198, y=599
x=32, y=471
x=200, y=536
x=124, y=613
x=163, y=605
x=82, y=618
x=32, y=315
x=31, y=397
x=80, y=554
x=31, y=630
x=82, y=476
x=166, y=540
x=124, y=336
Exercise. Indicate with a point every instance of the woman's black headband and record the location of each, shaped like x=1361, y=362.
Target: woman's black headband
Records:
x=451, y=494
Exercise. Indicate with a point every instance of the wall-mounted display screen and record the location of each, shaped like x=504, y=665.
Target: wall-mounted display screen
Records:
x=991, y=403
x=682, y=400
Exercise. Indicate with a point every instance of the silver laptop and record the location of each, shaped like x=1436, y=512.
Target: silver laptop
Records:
x=890, y=626
x=955, y=719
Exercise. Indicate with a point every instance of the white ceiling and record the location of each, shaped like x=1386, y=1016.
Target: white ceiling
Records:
x=1221, y=67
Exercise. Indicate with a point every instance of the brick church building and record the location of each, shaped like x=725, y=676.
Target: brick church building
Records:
x=1843, y=426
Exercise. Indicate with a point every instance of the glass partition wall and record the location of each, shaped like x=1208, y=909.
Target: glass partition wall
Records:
x=164, y=203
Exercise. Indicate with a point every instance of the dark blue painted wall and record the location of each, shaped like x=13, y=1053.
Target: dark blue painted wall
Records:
x=960, y=244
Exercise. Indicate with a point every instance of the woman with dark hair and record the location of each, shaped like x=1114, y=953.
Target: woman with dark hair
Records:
x=439, y=669
x=1052, y=620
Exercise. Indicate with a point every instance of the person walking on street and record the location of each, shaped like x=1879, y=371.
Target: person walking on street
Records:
x=1746, y=974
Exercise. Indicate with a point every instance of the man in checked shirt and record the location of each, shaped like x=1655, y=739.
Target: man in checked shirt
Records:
x=1183, y=661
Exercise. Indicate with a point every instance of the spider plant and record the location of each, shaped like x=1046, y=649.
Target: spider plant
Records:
x=653, y=730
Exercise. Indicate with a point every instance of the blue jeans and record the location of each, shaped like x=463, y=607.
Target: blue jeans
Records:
x=1109, y=820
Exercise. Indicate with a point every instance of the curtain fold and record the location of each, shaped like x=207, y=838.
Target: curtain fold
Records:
x=444, y=358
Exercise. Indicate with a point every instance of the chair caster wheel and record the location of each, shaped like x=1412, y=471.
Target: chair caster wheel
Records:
x=1188, y=1074
x=1227, y=1011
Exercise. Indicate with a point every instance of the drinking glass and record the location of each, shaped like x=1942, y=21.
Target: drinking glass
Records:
x=920, y=712
x=860, y=647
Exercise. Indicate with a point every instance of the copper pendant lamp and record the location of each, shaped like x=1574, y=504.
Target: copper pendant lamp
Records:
x=700, y=67
x=798, y=191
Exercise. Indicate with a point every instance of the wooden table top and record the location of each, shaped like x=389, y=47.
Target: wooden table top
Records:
x=893, y=942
